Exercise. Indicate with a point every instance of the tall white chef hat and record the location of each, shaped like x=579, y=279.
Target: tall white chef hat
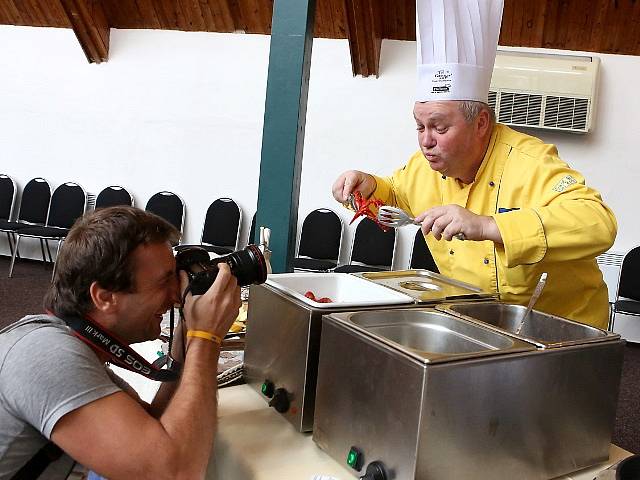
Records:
x=457, y=42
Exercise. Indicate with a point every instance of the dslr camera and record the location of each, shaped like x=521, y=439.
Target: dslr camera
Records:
x=248, y=265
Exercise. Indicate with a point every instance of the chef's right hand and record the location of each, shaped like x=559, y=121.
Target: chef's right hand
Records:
x=352, y=181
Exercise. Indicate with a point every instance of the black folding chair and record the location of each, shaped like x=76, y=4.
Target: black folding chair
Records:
x=34, y=206
x=320, y=238
x=628, y=296
x=221, y=229
x=372, y=249
x=252, y=231
x=421, y=255
x=113, y=196
x=68, y=203
x=8, y=192
x=169, y=206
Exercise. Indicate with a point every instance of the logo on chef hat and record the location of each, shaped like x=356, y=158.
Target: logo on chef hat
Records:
x=442, y=81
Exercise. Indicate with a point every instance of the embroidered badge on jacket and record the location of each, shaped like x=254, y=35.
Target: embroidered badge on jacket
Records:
x=566, y=182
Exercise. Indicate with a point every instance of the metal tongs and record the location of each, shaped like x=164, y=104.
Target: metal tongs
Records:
x=396, y=217
x=350, y=203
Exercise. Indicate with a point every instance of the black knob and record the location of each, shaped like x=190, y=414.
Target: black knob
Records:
x=375, y=471
x=267, y=388
x=280, y=400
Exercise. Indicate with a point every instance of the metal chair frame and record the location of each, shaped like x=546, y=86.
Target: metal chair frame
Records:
x=22, y=222
x=324, y=211
x=113, y=189
x=5, y=180
x=363, y=264
x=238, y=227
x=631, y=260
x=419, y=239
x=167, y=193
x=55, y=237
x=252, y=229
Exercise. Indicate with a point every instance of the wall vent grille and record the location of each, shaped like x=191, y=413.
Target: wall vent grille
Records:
x=532, y=110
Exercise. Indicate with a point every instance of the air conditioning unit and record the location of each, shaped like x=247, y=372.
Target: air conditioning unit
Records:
x=548, y=91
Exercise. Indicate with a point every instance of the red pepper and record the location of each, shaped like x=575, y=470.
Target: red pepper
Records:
x=363, y=209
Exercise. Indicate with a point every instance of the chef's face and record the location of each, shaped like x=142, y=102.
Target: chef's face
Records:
x=446, y=138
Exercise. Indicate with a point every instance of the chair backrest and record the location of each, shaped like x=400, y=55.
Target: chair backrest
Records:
x=252, y=230
x=7, y=196
x=222, y=224
x=373, y=246
x=321, y=235
x=629, y=285
x=113, y=196
x=34, y=205
x=421, y=255
x=169, y=206
x=68, y=203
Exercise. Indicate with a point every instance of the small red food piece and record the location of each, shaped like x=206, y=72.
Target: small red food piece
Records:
x=324, y=300
x=309, y=294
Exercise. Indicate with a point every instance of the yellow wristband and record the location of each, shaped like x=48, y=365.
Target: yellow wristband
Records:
x=205, y=335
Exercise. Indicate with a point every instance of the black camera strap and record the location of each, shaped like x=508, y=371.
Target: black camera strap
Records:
x=119, y=352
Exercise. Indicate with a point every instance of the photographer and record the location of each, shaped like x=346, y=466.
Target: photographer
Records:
x=116, y=273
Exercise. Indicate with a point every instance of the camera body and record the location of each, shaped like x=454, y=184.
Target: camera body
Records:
x=247, y=265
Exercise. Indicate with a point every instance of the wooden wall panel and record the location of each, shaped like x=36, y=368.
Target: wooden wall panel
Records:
x=606, y=26
x=36, y=13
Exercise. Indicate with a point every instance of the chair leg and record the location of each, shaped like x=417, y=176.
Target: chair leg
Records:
x=55, y=262
x=46, y=242
x=612, y=319
x=13, y=256
x=10, y=244
x=44, y=258
x=13, y=237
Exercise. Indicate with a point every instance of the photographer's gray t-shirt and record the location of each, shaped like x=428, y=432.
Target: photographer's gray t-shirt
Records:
x=45, y=373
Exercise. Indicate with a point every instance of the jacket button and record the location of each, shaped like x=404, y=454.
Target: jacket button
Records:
x=450, y=252
x=486, y=261
x=491, y=184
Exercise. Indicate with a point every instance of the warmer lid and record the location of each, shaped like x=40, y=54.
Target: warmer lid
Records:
x=426, y=287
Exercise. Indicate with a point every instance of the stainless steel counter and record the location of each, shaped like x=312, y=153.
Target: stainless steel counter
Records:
x=254, y=442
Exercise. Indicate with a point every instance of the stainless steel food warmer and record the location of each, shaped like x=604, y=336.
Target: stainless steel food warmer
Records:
x=283, y=334
x=420, y=393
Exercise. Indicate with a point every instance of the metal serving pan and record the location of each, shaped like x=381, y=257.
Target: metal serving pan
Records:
x=542, y=329
x=427, y=287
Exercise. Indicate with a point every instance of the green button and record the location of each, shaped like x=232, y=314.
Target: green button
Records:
x=353, y=458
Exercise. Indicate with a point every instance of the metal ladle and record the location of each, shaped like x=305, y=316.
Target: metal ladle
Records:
x=534, y=298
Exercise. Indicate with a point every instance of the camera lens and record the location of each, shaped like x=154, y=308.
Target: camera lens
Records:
x=248, y=265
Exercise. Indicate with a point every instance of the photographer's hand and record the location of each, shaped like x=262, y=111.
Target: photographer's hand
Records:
x=215, y=310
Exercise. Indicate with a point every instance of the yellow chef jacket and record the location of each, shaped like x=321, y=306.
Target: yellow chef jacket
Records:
x=550, y=221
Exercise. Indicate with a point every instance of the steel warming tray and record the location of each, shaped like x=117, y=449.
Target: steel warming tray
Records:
x=431, y=397
x=427, y=287
x=542, y=329
x=283, y=334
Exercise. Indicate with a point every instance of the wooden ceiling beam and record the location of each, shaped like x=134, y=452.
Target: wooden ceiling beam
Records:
x=90, y=25
x=364, y=32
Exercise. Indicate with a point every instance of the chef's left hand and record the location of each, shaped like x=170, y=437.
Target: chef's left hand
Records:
x=448, y=221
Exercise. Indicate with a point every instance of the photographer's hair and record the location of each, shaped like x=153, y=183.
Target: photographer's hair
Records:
x=98, y=248
x=470, y=109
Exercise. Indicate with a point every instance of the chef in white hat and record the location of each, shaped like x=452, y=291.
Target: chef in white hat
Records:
x=498, y=207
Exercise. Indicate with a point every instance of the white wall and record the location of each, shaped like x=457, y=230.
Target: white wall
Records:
x=184, y=112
